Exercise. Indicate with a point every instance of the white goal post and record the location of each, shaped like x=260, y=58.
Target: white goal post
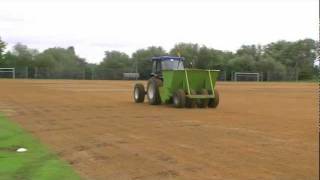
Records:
x=246, y=76
x=11, y=71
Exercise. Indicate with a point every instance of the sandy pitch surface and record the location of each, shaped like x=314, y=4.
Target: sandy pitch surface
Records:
x=259, y=131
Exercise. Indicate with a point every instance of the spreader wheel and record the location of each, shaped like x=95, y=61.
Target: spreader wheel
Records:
x=203, y=103
x=138, y=93
x=213, y=103
x=179, y=99
x=191, y=103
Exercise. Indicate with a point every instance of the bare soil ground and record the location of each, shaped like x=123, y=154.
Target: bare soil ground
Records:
x=259, y=131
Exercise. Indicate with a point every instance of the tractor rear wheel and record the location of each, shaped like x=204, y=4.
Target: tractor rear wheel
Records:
x=153, y=91
x=213, y=103
x=179, y=99
x=191, y=103
x=203, y=103
x=138, y=93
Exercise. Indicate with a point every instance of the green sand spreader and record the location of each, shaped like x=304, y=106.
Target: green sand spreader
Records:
x=170, y=83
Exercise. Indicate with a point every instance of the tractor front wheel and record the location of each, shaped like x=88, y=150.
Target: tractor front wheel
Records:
x=213, y=103
x=138, y=93
x=179, y=99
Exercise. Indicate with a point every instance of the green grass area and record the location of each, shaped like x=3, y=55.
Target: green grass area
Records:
x=38, y=163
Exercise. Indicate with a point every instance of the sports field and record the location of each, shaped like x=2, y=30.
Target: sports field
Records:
x=259, y=130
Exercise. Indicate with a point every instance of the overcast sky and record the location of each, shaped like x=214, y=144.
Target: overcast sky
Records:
x=94, y=26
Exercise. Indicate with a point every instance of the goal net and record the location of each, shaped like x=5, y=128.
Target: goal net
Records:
x=7, y=73
x=244, y=76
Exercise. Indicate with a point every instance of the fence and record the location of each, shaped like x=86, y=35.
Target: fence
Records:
x=117, y=74
x=85, y=73
x=271, y=76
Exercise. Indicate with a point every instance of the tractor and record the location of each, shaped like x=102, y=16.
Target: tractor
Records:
x=171, y=83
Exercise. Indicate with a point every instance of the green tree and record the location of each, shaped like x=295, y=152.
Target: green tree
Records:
x=189, y=51
x=9, y=60
x=59, y=63
x=243, y=63
x=45, y=60
x=2, y=48
x=115, y=59
x=114, y=64
x=209, y=58
x=271, y=69
x=24, y=55
x=142, y=59
x=276, y=60
x=255, y=51
x=297, y=56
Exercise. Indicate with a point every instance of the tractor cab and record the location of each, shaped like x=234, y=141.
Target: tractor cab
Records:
x=166, y=63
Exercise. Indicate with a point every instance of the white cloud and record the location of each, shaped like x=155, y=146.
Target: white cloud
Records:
x=95, y=26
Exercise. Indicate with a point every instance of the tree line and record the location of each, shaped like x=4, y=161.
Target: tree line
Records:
x=281, y=60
